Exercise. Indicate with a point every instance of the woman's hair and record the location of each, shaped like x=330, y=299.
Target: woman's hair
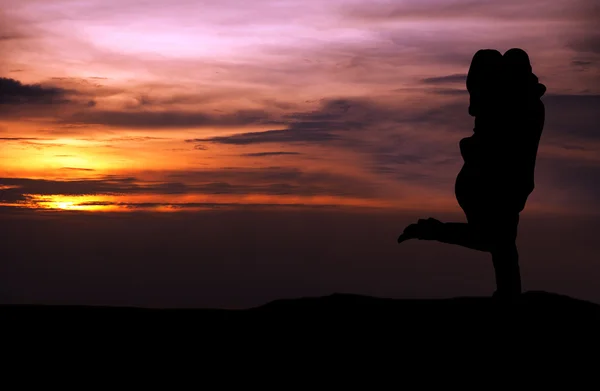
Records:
x=483, y=80
x=519, y=79
x=516, y=63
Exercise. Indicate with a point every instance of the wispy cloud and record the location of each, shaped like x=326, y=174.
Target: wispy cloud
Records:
x=77, y=169
x=456, y=78
x=263, y=154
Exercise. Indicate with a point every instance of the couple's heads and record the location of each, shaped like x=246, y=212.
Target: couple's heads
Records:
x=489, y=68
x=492, y=74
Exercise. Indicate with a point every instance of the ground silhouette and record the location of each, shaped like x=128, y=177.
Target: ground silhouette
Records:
x=342, y=338
x=534, y=306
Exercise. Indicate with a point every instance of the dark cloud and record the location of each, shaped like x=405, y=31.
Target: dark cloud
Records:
x=572, y=116
x=210, y=205
x=509, y=10
x=108, y=186
x=271, y=136
x=448, y=46
x=278, y=153
x=20, y=138
x=33, y=142
x=450, y=91
x=581, y=63
x=11, y=194
x=7, y=37
x=147, y=100
x=66, y=129
x=281, y=180
x=587, y=43
x=456, y=78
x=14, y=92
x=38, y=145
x=432, y=165
x=79, y=81
x=268, y=181
x=13, y=28
x=570, y=183
x=340, y=120
x=309, y=127
x=77, y=169
x=137, y=138
x=574, y=148
x=19, y=100
x=168, y=119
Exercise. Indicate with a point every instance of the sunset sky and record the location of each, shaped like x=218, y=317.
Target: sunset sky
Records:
x=181, y=105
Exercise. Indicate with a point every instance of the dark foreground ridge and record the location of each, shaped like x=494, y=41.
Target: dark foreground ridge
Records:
x=338, y=326
x=534, y=306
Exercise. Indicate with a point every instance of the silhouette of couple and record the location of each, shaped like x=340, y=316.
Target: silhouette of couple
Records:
x=499, y=161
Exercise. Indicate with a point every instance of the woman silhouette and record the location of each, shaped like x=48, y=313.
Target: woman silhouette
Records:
x=497, y=176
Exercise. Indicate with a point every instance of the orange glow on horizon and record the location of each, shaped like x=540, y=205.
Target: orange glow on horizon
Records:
x=161, y=203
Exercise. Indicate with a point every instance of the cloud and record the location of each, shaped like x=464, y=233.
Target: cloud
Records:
x=146, y=119
x=11, y=195
x=14, y=92
x=279, y=180
x=7, y=37
x=581, y=63
x=57, y=100
x=107, y=186
x=69, y=130
x=588, y=42
x=27, y=101
x=282, y=136
x=509, y=10
x=455, y=78
x=231, y=181
x=34, y=142
x=136, y=138
x=38, y=145
x=574, y=148
x=572, y=116
x=203, y=205
x=338, y=120
x=450, y=91
x=308, y=127
x=568, y=182
x=20, y=138
x=77, y=169
x=261, y=154
x=344, y=122
x=12, y=30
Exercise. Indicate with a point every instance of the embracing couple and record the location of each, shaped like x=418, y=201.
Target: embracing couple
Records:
x=499, y=162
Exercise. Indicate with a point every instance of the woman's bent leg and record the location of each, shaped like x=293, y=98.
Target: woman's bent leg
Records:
x=470, y=235
x=463, y=234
